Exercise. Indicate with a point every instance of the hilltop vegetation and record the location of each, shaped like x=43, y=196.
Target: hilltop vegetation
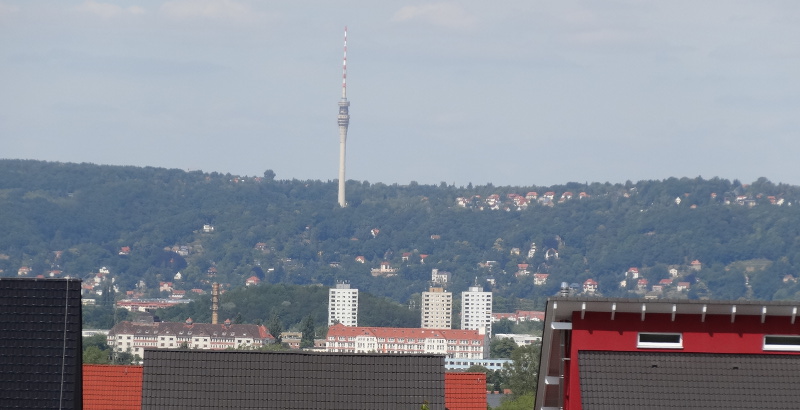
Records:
x=76, y=218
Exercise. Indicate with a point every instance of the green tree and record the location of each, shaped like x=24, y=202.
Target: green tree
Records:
x=502, y=326
x=524, y=402
x=501, y=348
x=95, y=355
x=275, y=328
x=307, y=328
x=523, y=371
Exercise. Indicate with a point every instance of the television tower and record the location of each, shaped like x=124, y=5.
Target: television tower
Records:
x=344, y=121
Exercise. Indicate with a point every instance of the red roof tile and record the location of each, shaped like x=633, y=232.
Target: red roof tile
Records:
x=465, y=391
x=112, y=387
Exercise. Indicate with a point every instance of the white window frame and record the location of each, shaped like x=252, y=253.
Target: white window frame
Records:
x=659, y=345
x=790, y=347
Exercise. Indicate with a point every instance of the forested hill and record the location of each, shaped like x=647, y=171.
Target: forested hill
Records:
x=146, y=224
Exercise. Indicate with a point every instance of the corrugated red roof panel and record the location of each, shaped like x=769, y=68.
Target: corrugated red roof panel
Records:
x=465, y=391
x=112, y=387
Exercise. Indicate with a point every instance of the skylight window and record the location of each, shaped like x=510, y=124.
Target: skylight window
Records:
x=660, y=341
x=786, y=343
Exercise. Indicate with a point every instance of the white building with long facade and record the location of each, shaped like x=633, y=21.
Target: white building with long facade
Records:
x=134, y=337
x=454, y=343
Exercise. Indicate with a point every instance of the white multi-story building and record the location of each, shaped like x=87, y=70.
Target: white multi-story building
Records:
x=454, y=343
x=134, y=337
x=343, y=305
x=476, y=310
x=437, y=309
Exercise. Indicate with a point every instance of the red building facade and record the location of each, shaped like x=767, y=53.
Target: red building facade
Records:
x=646, y=337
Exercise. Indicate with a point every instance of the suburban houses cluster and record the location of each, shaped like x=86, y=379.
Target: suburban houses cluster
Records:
x=517, y=202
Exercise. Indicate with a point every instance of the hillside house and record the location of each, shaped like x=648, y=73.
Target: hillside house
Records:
x=540, y=278
x=590, y=286
x=532, y=251
x=165, y=286
x=385, y=270
x=522, y=270
x=440, y=277
x=642, y=284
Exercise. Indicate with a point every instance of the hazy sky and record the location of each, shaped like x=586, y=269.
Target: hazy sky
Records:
x=517, y=92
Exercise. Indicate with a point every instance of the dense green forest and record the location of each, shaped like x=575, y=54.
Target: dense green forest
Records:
x=73, y=219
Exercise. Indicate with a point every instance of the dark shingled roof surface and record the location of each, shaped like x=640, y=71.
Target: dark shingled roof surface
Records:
x=658, y=380
x=40, y=343
x=193, y=379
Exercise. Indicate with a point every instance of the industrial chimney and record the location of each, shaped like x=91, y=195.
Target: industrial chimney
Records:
x=214, y=303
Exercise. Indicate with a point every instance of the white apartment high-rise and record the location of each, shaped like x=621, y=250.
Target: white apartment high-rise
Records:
x=476, y=310
x=437, y=309
x=343, y=305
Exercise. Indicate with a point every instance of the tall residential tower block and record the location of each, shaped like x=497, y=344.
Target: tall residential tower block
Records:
x=476, y=310
x=437, y=309
x=343, y=305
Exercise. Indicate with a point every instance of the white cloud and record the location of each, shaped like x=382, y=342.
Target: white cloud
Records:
x=208, y=9
x=449, y=15
x=108, y=10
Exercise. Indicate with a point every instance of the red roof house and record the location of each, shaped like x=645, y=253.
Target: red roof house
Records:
x=112, y=387
x=590, y=286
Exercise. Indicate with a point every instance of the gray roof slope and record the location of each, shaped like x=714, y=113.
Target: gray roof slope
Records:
x=193, y=379
x=40, y=343
x=659, y=380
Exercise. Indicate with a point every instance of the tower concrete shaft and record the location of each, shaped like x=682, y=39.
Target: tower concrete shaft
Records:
x=344, y=121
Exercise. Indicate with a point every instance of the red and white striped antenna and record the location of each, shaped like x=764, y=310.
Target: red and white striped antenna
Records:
x=344, y=66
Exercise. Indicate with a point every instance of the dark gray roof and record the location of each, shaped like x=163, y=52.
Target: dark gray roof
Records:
x=660, y=381
x=193, y=329
x=40, y=343
x=193, y=379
